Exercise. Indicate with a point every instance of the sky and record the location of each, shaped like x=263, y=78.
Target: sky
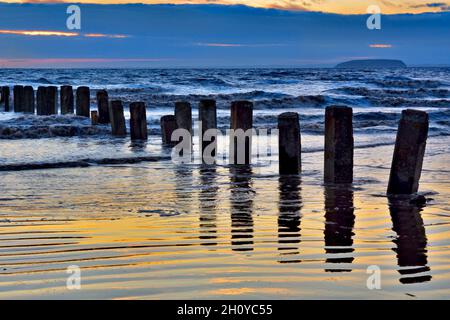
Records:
x=330, y=6
x=199, y=35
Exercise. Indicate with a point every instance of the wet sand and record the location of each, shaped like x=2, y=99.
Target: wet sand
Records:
x=158, y=230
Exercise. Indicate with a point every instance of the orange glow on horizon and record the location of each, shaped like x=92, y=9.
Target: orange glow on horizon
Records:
x=49, y=33
x=331, y=6
x=101, y=35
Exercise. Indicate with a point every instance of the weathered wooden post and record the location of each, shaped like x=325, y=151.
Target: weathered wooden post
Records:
x=83, y=101
x=40, y=100
x=289, y=143
x=67, y=101
x=52, y=98
x=183, y=115
x=409, y=152
x=207, y=115
x=28, y=99
x=46, y=100
x=94, y=117
x=241, y=132
x=5, y=97
x=338, y=162
x=118, y=127
x=138, y=121
x=168, y=126
x=18, y=98
x=102, y=105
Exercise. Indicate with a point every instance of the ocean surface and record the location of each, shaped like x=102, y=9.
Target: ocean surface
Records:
x=161, y=230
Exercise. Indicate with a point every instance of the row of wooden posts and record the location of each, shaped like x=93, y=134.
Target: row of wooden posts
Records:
x=339, y=143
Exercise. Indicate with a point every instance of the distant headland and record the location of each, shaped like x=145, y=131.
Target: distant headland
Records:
x=372, y=63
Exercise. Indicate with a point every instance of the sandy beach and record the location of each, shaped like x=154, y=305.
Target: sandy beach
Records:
x=158, y=230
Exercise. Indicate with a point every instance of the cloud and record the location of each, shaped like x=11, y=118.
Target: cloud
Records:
x=40, y=33
x=101, y=35
x=434, y=5
x=49, y=33
x=233, y=45
x=379, y=45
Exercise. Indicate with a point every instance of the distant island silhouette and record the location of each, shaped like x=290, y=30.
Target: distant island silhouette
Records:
x=372, y=63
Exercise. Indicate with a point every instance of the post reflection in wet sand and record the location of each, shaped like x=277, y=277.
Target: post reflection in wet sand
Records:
x=339, y=224
x=208, y=205
x=411, y=240
x=241, y=201
x=183, y=187
x=289, y=206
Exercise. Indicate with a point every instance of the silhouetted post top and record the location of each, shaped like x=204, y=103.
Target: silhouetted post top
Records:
x=102, y=104
x=66, y=100
x=46, y=100
x=168, y=126
x=409, y=152
x=18, y=98
x=83, y=101
x=138, y=121
x=289, y=143
x=5, y=97
x=183, y=115
x=207, y=115
x=52, y=96
x=241, y=115
x=118, y=127
x=241, y=118
x=28, y=100
x=338, y=162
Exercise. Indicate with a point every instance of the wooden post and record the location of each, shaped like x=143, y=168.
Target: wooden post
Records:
x=289, y=143
x=240, y=140
x=102, y=105
x=94, y=117
x=40, y=100
x=18, y=98
x=118, y=127
x=52, y=98
x=83, y=101
x=183, y=115
x=409, y=152
x=28, y=99
x=338, y=162
x=138, y=121
x=67, y=101
x=5, y=97
x=207, y=115
x=46, y=100
x=168, y=126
